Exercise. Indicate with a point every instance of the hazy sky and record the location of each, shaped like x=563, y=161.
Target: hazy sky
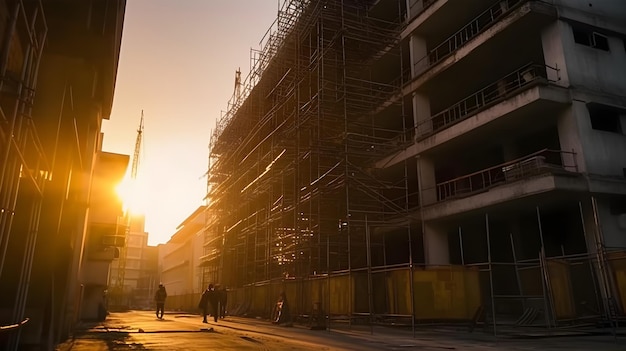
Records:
x=177, y=64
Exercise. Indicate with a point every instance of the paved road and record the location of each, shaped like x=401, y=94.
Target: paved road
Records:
x=139, y=330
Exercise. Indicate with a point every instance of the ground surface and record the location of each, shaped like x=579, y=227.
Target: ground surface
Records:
x=141, y=330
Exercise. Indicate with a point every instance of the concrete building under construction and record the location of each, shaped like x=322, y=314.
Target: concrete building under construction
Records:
x=399, y=161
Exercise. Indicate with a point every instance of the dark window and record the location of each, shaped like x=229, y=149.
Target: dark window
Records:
x=605, y=118
x=617, y=205
x=582, y=37
x=591, y=39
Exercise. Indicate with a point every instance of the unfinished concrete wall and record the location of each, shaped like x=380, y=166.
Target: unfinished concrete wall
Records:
x=593, y=67
x=596, y=10
x=603, y=151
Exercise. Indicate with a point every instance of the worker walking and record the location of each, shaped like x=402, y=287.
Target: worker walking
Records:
x=159, y=297
x=209, y=303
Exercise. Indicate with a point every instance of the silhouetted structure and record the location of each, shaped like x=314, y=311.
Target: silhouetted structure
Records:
x=57, y=78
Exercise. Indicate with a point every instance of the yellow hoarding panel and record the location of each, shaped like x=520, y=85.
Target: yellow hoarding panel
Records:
x=560, y=285
x=446, y=293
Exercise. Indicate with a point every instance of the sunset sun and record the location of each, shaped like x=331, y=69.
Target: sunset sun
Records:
x=132, y=193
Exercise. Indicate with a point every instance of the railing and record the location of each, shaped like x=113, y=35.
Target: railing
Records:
x=526, y=76
x=544, y=161
x=471, y=30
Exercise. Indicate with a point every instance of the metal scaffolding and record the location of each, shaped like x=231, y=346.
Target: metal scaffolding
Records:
x=292, y=191
x=24, y=168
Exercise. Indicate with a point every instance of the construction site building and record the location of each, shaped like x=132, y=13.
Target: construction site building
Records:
x=58, y=68
x=391, y=161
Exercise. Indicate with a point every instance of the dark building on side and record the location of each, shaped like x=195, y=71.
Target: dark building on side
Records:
x=58, y=65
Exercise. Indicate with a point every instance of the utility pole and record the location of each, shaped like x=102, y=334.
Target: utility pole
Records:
x=121, y=266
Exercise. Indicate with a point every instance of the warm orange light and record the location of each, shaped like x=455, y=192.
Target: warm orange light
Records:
x=132, y=195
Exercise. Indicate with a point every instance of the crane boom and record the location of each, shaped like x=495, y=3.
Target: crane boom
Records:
x=135, y=165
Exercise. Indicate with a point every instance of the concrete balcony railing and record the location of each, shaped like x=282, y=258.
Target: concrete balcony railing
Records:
x=523, y=78
x=541, y=162
x=468, y=32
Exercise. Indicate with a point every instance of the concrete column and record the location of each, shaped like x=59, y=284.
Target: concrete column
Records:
x=427, y=181
x=553, y=39
x=419, y=52
x=436, y=251
x=568, y=125
x=421, y=115
x=421, y=103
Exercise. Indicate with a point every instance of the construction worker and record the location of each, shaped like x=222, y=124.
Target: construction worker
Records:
x=209, y=300
x=159, y=297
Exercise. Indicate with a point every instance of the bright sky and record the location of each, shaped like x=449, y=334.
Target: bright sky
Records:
x=177, y=64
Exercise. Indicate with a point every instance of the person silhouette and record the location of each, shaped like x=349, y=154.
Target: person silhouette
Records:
x=159, y=297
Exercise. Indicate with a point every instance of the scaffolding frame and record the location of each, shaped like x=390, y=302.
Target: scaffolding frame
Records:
x=291, y=178
x=24, y=167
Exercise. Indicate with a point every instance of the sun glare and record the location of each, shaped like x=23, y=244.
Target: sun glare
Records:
x=130, y=191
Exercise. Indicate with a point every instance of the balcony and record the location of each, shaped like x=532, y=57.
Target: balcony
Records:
x=541, y=162
x=523, y=78
x=468, y=32
x=502, y=24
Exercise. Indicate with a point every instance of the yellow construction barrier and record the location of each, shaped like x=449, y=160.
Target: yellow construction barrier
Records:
x=440, y=293
x=617, y=263
x=561, y=288
x=340, y=288
x=446, y=293
x=259, y=303
x=398, y=292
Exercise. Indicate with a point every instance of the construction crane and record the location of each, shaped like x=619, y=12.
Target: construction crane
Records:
x=121, y=265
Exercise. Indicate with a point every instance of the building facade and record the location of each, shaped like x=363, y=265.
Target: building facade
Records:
x=426, y=160
x=58, y=71
x=180, y=270
x=104, y=234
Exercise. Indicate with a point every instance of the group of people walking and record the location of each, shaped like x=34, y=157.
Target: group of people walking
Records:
x=212, y=302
